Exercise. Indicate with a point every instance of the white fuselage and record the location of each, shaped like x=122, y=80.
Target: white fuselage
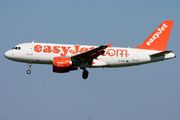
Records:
x=43, y=53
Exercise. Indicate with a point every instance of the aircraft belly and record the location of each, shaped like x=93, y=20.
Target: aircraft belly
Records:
x=98, y=63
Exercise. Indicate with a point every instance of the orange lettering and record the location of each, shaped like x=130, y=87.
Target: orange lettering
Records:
x=76, y=50
x=38, y=48
x=91, y=48
x=56, y=49
x=65, y=50
x=47, y=49
x=83, y=49
x=122, y=52
x=110, y=54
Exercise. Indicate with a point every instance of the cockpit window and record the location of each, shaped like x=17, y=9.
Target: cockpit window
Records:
x=16, y=48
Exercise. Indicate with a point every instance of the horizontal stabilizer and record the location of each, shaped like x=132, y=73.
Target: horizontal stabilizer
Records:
x=160, y=54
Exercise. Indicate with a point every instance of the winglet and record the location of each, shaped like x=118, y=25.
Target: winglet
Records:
x=109, y=45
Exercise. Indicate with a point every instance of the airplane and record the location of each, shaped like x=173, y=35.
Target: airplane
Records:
x=65, y=57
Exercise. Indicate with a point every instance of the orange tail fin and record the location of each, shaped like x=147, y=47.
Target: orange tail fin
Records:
x=159, y=38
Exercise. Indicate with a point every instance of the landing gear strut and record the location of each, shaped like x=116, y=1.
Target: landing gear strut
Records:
x=29, y=71
x=85, y=74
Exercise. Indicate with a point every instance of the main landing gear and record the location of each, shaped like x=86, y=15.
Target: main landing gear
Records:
x=29, y=71
x=85, y=74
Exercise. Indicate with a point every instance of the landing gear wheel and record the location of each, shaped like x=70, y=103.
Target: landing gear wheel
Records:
x=85, y=74
x=28, y=71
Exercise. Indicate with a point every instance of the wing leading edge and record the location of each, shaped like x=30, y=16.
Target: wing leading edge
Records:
x=90, y=55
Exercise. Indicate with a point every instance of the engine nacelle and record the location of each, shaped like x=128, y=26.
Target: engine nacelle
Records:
x=62, y=65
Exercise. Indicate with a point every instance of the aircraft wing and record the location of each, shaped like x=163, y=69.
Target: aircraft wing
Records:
x=88, y=56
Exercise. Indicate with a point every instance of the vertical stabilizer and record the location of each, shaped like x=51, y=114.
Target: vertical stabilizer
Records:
x=159, y=38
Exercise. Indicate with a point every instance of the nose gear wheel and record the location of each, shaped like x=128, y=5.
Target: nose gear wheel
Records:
x=28, y=71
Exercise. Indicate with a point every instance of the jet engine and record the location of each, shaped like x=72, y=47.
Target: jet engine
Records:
x=62, y=65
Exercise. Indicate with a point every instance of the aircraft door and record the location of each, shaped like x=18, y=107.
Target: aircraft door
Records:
x=135, y=55
x=29, y=49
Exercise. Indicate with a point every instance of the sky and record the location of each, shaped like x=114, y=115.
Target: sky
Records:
x=145, y=92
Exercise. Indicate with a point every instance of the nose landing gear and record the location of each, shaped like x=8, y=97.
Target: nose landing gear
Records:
x=29, y=71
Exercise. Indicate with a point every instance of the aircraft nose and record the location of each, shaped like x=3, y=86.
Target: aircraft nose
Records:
x=7, y=54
